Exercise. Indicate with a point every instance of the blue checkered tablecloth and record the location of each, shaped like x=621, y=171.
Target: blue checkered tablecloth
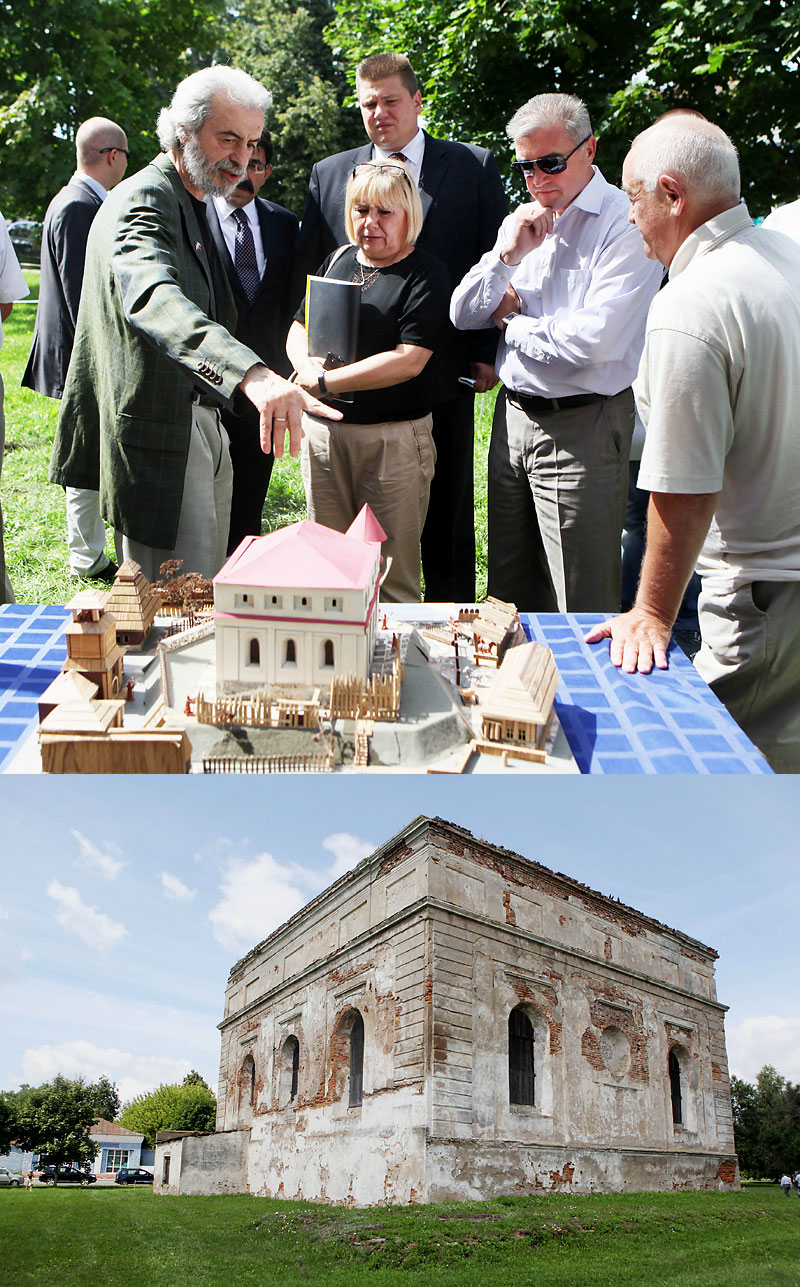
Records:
x=32, y=652
x=666, y=722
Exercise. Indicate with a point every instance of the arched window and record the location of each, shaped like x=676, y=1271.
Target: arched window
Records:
x=247, y=1088
x=327, y=653
x=295, y=1070
x=356, y=1062
x=288, y=1072
x=675, y=1088
x=255, y=652
x=521, y=1075
x=290, y=653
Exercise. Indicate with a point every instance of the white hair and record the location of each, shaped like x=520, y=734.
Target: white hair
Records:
x=693, y=150
x=191, y=103
x=548, y=111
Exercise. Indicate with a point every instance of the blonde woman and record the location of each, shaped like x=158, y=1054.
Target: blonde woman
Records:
x=382, y=451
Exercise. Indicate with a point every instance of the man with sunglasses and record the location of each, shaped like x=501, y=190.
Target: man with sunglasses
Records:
x=568, y=287
x=463, y=204
x=102, y=156
x=256, y=241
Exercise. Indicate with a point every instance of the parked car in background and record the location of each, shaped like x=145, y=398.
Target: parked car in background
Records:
x=66, y=1175
x=26, y=238
x=133, y=1175
x=11, y=1179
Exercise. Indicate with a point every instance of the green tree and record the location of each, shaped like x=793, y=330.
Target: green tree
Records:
x=193, y=1078
x=630, y=60
x=54, y=1121
x=8, y=1125
x=766, y=1123
x=61, y=63
x=190, y=1107
x=281, y=44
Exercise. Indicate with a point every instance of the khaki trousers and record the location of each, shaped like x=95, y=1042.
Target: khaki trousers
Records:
x=750, y=657
x=202, y=538
x=387, y=466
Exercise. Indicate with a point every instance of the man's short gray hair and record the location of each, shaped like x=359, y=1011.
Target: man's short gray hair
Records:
x=691, y=149
x=191, y=103
x=549, y=111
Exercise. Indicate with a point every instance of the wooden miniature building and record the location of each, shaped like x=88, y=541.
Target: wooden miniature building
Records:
x=134, y=603
x=519, y=706
x=89, y=737
x=92, y=648
x=68, y=686
x=495, y=629
x=298, y=606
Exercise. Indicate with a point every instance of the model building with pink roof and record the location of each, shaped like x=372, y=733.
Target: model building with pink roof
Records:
x=299, y=605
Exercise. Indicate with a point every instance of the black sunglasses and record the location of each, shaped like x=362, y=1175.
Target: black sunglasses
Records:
x=379, y=167
x=553, y=163
x=115, y=149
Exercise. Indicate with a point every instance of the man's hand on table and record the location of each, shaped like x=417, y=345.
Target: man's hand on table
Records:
x=639, y=640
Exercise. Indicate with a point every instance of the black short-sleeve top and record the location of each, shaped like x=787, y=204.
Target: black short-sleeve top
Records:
x=406, y=303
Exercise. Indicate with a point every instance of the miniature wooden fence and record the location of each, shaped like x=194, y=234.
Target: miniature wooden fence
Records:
x=268, y=763
x=258, y=711
x=378, y=698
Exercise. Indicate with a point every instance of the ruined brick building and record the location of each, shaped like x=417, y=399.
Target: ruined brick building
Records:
x=450, y=1020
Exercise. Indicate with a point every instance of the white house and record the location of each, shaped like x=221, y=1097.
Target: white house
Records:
x=298, y=606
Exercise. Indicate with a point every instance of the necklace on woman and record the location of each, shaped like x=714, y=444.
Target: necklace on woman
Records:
x=364, y=279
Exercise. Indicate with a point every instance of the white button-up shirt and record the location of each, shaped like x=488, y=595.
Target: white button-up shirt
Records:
x=12, y=283
x=584, y=295
x=229, y=224
x=413, y=151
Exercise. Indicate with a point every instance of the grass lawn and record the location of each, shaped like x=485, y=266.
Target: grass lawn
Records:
x=33, y=509
x=104, y=1235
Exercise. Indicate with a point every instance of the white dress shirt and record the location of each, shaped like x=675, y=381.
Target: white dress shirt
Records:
x=94, y=184
x=12, y=283
x=413, y=151
x=584, y=295
x=229, y=225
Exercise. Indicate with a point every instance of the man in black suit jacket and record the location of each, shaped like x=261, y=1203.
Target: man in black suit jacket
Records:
x=463, y=205
x=262, y=290
x=102, y=156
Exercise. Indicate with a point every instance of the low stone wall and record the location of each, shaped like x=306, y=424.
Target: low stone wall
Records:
x=202, y=1165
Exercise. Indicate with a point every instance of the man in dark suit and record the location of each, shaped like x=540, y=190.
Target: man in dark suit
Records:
x=102, y=155
x=256, y=241
x=463, y=205
x=154, y=358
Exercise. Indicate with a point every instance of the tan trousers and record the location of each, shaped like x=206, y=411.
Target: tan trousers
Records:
x=387, y=466
x=202, y=539
x=751, y=658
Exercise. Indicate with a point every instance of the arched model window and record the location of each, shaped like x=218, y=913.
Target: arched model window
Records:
x=290, y=653
x=521, y=1074
x=255, y=652
x=327, y=653
x=356, y=1062
x=675, y=1088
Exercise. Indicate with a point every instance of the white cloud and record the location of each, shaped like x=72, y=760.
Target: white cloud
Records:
x=347, y=851
x=257, y=896
x=3, y=914
x=764, y=1039
x=133, y=1074
x=92, y=859
x=97, y=930
x=175, y=888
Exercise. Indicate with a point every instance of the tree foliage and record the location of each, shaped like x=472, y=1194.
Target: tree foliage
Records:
x=478, y=60
x=766, y=1123
x=61, y=63
x=280, y=42
x=54, y=1119
x=190, y=1107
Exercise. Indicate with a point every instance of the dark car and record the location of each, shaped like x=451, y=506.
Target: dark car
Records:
x=66, y=1175
x=26, y=238
x=133, y=1175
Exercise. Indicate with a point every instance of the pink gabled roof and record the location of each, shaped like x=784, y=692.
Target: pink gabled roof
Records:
x=366, y=526
x=304, y=555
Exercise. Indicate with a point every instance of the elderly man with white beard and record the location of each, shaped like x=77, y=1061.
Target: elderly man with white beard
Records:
x=154, y=357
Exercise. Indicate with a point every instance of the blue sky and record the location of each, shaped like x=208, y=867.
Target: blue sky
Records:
x=125, y=901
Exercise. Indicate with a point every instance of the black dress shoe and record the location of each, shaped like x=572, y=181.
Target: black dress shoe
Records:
x=106, y=574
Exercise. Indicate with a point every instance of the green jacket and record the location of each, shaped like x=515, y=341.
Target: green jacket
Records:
x=145, y=345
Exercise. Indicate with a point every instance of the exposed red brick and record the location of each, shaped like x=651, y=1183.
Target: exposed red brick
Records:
x=607, y=948
x=511, y=918
x=590, y=1049
x=726, y=1174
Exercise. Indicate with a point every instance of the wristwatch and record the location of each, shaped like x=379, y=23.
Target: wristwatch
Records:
x=323, y=388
